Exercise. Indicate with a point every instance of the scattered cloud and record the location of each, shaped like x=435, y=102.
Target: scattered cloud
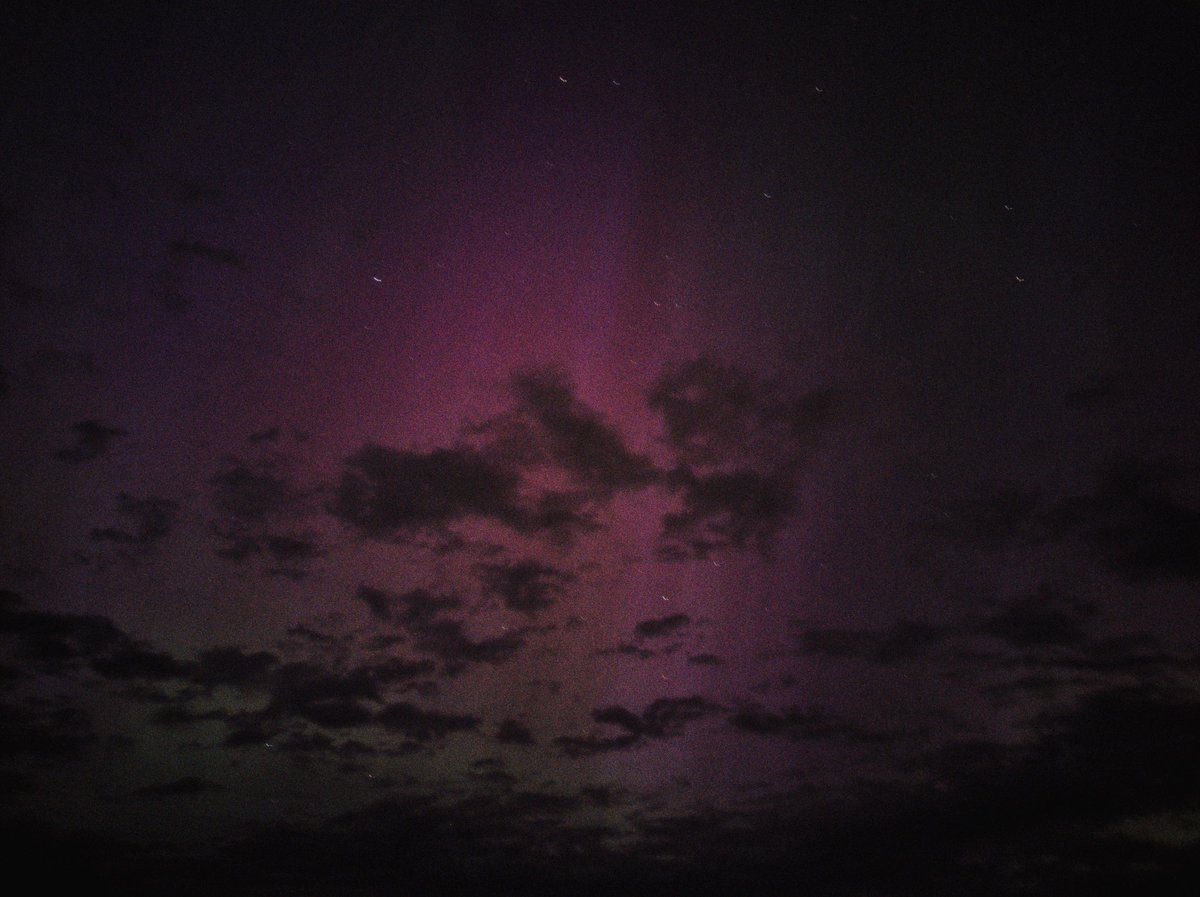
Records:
x=718, y=415
x=1135, y=521
x=45, y=728
x=424, y=725
x=145, y=522
x=524, y=586
x=662, y=626
x=510, y=731
x=133, y=661
x=576, y=438
x=233, y=666
x=384, y=492
x=801, y=725
x=739, y=510
x=1049, y=617
x=92, y=439
x=903, y=641
x=662, y=718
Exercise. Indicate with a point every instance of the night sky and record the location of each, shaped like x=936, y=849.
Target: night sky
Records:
x=509, y=449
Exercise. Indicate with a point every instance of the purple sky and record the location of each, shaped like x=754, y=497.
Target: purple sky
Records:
x=503, y=449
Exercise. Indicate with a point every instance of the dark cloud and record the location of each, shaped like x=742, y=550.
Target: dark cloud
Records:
x=290, y=549
x=308, y=690
x=422, y=614
x=424, y=725
x=40, y=728
x=334, y=713
x=112, y=534
x=233, y=666
x=249, y=733
x=447, y=640
x=994, y=521
x=662, y=626
x=809, y=416
x=575, y=438
x=377, y=601
x=270, y=434
x=705, y=660
x=590, y=745
x=601, y=795
x=92, y=439
x=133, y=661
x=512, y=732
x=237, y=547
x=619, y=716
x=1135, y=519
x=396, y=670
x=151, y=518
x=717, y=414
x=256, y=504
x=491, y=771
x=739, y=510
x=666, y=717
x=506, y=842
x=904, y=640
x=1048, y=618
x=310, y=635
x=384, y=491
x=712, y=412
x=149, y=521
x=1141, y=529
x=1072, y=808
x=253, y=491
x=387, y=493
x=628, y=650
x=53, y=641
x=186, y=786
x=1116, y=753
x=801, y=725
x=662, y=718
x=184, y=250
x=524, y=586
x=415, y=608
x=391, y=493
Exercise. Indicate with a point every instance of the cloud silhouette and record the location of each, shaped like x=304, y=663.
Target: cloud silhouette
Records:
x=661, y=718
x=662, y=626
x=904, y=640
x=45, y=729
x=424, y=725
x=717, y=414
x=1136, y=523
x=384, y=492
x=510, y=731
x=1049, y=617
x=739, y=510
x=524, y=586
x=575, y=438
x=233, y=666
x=92, y=439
